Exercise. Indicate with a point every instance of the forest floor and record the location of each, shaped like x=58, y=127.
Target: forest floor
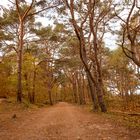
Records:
x=62, y=121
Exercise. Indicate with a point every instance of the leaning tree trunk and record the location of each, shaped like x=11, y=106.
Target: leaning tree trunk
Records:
x=91, y=81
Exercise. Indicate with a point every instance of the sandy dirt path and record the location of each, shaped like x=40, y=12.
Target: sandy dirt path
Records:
x=62, y=122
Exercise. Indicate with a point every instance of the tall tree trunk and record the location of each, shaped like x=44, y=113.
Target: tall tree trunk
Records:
x=91, y=80
x=84, y=60
x=19, y=60
x=100, y=89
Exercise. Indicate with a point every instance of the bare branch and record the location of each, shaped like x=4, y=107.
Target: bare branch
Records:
x=128, y=19
x=17, y=7
x=50, y=7
x=28, y=10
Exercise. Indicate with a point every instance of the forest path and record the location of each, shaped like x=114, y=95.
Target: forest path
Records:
x=62, y=121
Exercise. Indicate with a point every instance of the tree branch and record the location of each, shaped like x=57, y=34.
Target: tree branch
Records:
x=35, y=13
x=28, y=10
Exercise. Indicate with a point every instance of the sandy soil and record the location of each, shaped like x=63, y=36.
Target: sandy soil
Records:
x=61, y=122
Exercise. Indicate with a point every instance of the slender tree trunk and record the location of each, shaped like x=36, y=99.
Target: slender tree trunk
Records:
x=56, y=96
x=74, y=91
x=19, y=60
x=33, y=91
x=50, y=96
x=83, y=89
x=28, y=88
x=80, y=90
x=74, y=87
x=64, y=95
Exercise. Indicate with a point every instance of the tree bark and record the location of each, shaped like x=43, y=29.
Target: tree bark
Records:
x=93, y=93
x=74, y=91
x=99, y=82
x=80, y=89
x=28, y=88
x=33, y=90
x=50, y=96
x=19, y=60
x=83, y=87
